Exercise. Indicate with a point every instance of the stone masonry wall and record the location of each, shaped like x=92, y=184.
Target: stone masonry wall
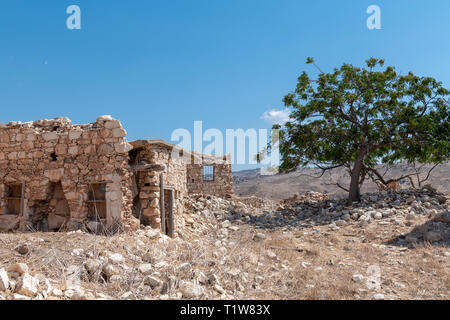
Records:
x=149, y=181
x=57, y=162
x=221, y=186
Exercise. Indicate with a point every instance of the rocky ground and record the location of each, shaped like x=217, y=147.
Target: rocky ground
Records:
x=392, y=245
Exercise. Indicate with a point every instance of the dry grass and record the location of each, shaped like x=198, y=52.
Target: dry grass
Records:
x=310, y=264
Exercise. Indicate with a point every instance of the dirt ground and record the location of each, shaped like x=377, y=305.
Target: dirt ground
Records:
x=246, y=261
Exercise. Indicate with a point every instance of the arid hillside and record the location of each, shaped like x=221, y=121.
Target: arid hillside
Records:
x=281, y=186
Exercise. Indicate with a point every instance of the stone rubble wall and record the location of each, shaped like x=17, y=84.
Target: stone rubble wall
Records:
x=149, y=182
x=59, y=165
x=55, y=151
x=221, y=186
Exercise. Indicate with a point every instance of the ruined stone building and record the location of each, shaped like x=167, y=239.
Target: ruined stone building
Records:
x=58, y=176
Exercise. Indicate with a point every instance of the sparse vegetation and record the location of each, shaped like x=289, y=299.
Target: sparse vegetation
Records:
x=233, y=250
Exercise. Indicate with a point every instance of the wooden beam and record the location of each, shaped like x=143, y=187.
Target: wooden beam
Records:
x=148, y=167
x=171, y=231
x=161, y=203
x=22, y=199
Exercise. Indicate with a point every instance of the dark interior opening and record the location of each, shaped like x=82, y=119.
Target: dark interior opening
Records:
x=13, y=197
x=97, y=201
x=134, y=155
x=52, y=213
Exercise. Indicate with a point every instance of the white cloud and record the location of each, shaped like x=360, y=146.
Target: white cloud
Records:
x=276, y=116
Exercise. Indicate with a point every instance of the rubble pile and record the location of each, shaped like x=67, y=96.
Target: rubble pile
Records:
x=385, y=207
x=313, y=208
x=205, y=213
x=373, y=206
x=309, y=196
x=22, y=285
x=144, y=264
x=239, y=248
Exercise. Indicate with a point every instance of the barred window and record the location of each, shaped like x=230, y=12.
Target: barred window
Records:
x=208, y=173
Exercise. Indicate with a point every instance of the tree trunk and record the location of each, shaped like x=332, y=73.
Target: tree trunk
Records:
x=354, y=193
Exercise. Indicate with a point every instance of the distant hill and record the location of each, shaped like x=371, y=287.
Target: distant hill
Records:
x=281, y=186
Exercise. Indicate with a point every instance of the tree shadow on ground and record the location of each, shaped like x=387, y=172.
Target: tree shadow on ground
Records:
x=301, y=216
x=431, y=233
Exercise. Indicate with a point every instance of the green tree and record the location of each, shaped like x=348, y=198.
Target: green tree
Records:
x=361, y=117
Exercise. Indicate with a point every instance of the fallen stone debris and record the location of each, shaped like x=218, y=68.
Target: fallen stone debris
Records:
x=306, y=247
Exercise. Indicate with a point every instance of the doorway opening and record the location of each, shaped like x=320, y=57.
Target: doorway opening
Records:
x=13, y=199
x=97, y=210
x=59, y=211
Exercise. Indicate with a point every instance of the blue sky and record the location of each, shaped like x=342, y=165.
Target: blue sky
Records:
x=160, y=65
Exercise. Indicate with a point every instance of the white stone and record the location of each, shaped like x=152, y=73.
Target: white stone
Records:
x=358, y=278
x=226, y=224
x=378, y=215
x=4, y=280
x=116, y=258
x=411, y=216
x=57, y=292
x=128, y=296
x=399, y=285
x=378, y=296
x=202, y=278
x=77, y=252
x=219, y=289
x=20, y=268
x=104, y=118
x=161, y=264
x=153, y=282
x=28, y=285
x=20, y=297
x=184, y=267
x=145, y=268
x=109, y=270
x=44, y=285
x=259, y=236
x=112, y=124
x=191, y=290
x=92, y=266
x=72, y=278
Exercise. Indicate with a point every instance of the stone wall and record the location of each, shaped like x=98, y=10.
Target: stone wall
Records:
x=222, y=183
x=54, y=175
x=56, y=163
x=148, y=181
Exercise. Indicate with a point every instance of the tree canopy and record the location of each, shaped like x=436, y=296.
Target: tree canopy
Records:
x=360, y=117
